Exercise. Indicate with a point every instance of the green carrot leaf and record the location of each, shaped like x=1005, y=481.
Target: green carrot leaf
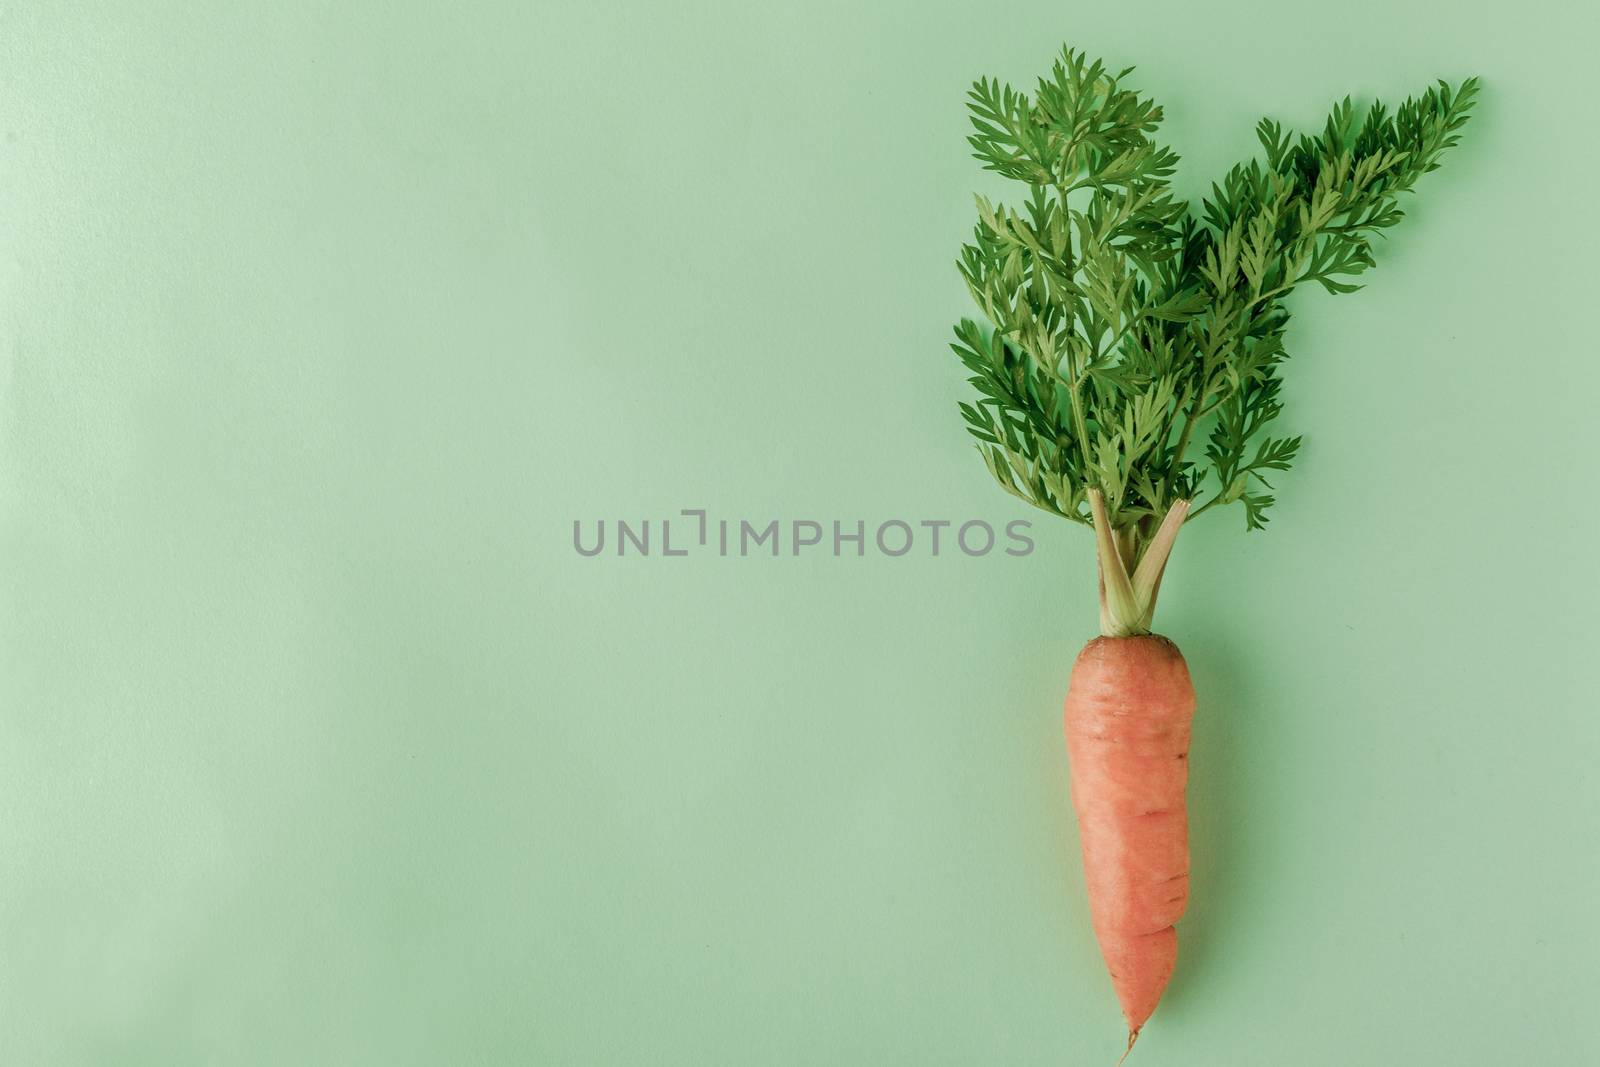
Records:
x=1123, y=331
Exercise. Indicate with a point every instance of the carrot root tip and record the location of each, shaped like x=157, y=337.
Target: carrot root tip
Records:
x=1133, y=1035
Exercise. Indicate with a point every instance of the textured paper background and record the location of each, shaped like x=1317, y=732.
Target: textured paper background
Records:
x=319, y=324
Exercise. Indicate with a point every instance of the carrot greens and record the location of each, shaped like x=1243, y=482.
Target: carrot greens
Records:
x=1128, y=373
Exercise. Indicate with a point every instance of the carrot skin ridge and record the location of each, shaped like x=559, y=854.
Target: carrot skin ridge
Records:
x=1128, y=713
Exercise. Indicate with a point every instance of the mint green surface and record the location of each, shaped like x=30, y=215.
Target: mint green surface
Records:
x=319, y=744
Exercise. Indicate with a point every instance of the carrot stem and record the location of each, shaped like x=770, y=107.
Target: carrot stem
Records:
x=1128, y=605
x=1147, y=577
x=1119, y=608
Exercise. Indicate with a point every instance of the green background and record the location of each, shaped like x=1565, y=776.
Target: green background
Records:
x=319, y=744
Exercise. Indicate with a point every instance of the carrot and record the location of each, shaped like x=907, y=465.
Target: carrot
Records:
x=1128, y=710
x=1125, y=330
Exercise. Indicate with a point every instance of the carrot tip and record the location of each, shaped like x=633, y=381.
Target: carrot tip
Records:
x=1133, y=1035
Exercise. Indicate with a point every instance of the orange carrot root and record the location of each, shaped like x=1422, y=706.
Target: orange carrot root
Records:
x=1128, y=714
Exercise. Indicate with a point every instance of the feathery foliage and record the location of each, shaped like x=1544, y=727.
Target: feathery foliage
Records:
x=1124, y=332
